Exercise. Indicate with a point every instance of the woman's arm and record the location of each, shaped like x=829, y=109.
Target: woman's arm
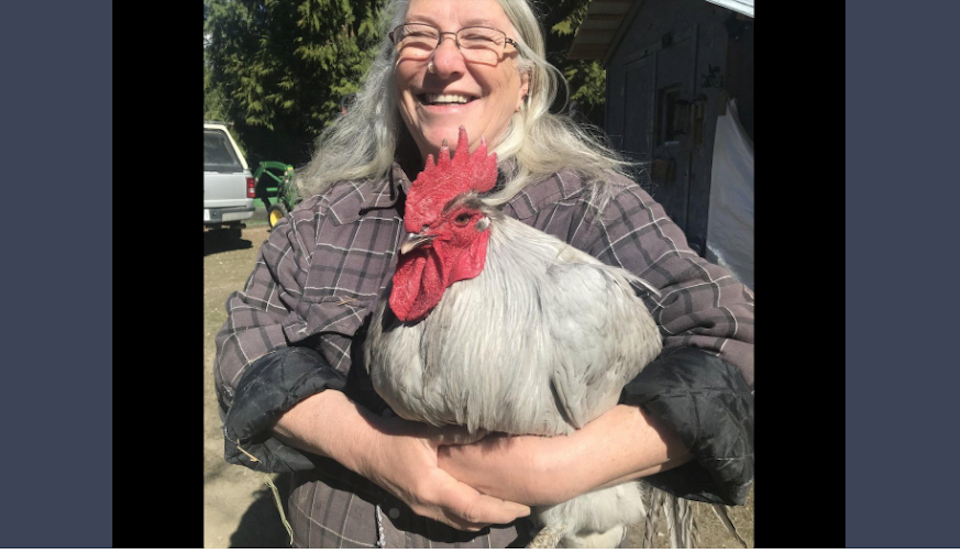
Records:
x=397, y=455
x=282, y=405
x=621, y=445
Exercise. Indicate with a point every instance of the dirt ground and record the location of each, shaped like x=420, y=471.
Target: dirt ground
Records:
x=239, y=508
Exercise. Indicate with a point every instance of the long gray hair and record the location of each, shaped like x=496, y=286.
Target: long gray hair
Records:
x=362, y=143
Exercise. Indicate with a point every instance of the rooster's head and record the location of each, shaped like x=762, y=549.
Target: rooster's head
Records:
x=447, y=228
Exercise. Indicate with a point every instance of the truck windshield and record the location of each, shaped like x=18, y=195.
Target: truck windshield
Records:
x=218, y=154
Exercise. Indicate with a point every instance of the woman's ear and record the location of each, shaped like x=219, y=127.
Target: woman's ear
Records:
x=524, y=89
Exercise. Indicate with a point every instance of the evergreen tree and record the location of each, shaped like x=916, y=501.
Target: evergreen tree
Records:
x=587, y=79
x=282, y=67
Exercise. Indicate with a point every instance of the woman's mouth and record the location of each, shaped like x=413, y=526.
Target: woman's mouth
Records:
x=445, y=99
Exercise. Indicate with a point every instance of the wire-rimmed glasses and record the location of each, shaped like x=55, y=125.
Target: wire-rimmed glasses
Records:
x=477, y=44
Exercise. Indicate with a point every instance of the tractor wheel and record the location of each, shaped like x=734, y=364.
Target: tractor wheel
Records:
x=277, y=211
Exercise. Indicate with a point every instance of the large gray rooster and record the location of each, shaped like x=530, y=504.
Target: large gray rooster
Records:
x=492, y=325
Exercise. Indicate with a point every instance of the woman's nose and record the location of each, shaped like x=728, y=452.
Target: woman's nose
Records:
x=447, y=58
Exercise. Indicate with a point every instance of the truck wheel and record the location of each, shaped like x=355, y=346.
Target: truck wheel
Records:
x=277, y=211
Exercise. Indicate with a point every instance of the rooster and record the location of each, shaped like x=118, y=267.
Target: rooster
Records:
x=493, y=325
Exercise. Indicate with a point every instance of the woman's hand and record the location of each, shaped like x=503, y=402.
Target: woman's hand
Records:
x=405, y=464
x=621, y=445
x=399, y=456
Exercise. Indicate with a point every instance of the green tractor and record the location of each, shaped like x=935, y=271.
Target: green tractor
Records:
x=277, y=186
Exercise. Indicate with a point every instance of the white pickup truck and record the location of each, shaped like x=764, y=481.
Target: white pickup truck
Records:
x=228, y=185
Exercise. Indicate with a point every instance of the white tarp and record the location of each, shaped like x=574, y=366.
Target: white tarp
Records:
x=740, y=6
x=730, y=219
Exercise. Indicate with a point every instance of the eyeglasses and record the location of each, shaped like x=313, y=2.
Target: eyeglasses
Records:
x=477, y=44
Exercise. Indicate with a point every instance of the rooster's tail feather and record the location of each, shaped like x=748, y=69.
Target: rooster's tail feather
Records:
x=677, y=516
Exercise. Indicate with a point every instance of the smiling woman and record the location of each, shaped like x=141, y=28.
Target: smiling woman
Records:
x=444, y=84
x=292, y=388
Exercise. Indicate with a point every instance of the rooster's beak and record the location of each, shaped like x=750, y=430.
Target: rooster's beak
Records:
x=413, y=241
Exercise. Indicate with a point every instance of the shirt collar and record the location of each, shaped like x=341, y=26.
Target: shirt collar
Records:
x=351, y=200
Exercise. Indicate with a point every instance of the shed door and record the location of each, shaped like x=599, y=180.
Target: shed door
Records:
x=658, y=123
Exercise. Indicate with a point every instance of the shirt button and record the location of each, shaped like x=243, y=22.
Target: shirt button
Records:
x=387, y=412
x=394, y=513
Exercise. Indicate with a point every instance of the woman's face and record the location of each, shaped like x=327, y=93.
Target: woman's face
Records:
x=431, y=103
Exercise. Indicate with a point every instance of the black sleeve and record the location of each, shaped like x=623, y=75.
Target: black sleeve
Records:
x=705, y=400
x=269, y=387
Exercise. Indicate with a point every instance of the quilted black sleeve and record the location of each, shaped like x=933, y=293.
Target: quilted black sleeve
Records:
x=705, y=400
x=269, y=387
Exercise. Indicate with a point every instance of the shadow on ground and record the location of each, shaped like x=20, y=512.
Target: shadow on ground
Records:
x=218, y=241
x=260, y=526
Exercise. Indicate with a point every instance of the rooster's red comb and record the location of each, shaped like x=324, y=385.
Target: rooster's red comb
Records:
x=442, y=181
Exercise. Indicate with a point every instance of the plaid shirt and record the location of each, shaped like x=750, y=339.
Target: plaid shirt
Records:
x=319, y=276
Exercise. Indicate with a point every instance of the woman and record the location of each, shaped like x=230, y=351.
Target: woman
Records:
x=291, y=396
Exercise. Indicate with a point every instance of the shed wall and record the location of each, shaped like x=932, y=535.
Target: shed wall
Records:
x=665, y=87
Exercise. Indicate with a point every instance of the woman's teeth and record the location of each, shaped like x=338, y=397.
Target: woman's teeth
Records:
x=433, y=99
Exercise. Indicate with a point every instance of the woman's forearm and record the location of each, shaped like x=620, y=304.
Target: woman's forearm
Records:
x=307, y=427
x=621, y=445
x=626, y=444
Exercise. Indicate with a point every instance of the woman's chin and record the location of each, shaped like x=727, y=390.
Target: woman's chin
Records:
x=435, y=137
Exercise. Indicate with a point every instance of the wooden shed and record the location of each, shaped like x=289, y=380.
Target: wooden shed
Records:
x=671, y=66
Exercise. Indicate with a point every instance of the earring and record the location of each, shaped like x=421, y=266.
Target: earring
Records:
x=431, y=68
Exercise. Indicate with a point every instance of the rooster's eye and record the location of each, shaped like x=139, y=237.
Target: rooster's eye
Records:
x=462, y=219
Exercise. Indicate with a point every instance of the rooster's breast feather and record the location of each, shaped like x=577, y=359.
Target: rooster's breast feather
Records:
x=602, y=333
